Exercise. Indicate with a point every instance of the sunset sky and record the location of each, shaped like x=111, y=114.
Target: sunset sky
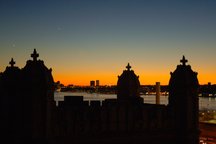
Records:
x=83, y=40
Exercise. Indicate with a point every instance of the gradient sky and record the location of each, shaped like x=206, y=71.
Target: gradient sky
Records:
x=83, y=40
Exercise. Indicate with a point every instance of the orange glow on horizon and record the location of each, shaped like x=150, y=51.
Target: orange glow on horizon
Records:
x=109, y=79
x=84, y=80
x=148, y=74
x=205, y=78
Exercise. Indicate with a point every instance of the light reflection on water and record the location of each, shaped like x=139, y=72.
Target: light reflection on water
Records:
x=204, y=103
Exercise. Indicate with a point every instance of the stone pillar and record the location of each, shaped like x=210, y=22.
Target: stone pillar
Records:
x=157, y=92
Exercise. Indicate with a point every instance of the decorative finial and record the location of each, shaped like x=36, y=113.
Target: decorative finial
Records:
x=12, y=62
x=183, y=61
x=35, y=55
x=128, y=67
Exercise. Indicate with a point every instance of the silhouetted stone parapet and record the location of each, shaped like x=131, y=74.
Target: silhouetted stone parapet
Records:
x=73, y=100
x=32, y=116
x=183, y=101
x=10, y=101
x=128, y=86
x=184, y=83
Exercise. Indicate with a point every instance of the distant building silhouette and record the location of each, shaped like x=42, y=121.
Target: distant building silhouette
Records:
x=97, y=83
x=92, y=83
x=29, y=113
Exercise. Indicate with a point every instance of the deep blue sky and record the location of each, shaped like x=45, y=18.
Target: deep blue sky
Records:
x=102, y=36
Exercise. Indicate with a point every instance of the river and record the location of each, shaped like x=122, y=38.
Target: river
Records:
x=204, y=103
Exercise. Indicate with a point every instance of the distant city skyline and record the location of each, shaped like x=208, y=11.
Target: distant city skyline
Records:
x=95, y=40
